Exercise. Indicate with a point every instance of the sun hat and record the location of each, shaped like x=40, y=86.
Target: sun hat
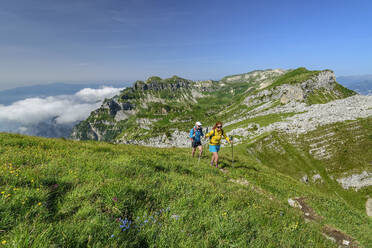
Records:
x=198, y=123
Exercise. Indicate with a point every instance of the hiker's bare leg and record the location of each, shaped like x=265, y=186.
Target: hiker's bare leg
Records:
x=212, y=160
x=193, y=151
x=200, y=150
x=216, y=158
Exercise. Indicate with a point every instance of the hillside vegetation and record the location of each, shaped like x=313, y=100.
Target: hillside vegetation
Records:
x=61, y=193
x=153, y=111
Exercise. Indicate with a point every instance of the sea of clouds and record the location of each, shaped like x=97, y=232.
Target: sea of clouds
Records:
x=31, y=115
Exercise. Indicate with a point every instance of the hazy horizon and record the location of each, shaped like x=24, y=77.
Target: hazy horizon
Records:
x=129, y=83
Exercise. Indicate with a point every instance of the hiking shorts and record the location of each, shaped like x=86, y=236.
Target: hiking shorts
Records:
x=214, y=148
x=195, y=144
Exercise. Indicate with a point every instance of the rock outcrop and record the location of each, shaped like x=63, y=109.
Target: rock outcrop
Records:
x=310, y=117
x=369, y=207
x=299, y=92
x=356, y=181
x=157, y=84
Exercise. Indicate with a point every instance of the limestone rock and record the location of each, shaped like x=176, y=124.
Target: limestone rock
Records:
x=305, y=179
x=291, y=93
x=317, y=178
x=294, y=203
x=356, y=181
x=369, y=207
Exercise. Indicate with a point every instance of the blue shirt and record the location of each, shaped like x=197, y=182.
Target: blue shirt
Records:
x=196, y=134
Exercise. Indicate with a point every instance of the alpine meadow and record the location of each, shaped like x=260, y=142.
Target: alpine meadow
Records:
x=298, y=173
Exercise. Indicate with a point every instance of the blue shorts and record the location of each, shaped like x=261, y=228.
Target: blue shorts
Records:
x=214, y=148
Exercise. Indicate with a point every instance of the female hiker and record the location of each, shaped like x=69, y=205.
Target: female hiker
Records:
x=215, y=137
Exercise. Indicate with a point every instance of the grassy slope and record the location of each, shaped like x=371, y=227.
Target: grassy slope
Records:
x=350, y=144
x=65, y=193
x=296, y=76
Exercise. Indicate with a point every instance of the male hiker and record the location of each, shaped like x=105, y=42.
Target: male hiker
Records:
x=195, y=136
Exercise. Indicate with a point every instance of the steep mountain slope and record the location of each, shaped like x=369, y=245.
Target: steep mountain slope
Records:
x=159, y=112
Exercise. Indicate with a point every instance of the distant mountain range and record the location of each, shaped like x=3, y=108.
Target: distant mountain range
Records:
x=361, y=84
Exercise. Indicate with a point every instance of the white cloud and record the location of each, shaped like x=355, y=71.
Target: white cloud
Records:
x=92, y=95
x=67, y=108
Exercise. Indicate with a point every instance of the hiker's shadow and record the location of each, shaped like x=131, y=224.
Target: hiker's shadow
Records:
x=227, y=163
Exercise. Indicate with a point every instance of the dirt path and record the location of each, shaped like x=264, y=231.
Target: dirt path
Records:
x=331, y=233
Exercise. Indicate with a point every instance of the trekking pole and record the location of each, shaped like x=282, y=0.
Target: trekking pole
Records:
x=232, y=151
x=199, y=159
x=190, y=155
x=202, y=147
x=206, y=132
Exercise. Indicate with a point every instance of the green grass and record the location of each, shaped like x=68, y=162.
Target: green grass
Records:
x=324, y=96
x=263, y=120
x=294, y=77
x=57, y=192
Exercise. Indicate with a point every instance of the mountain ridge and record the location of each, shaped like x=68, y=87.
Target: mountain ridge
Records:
x=159, y=111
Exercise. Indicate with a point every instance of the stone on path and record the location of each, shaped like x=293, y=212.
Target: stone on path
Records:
x=369, y=207
x=305, y=179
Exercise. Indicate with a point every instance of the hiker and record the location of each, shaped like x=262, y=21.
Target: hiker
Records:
x=195, y=136
x=215, y=137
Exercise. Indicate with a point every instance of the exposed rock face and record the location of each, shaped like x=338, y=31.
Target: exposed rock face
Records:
x=119, y=110
x=260, y=77
x=155, y=84
x=291, y=93
x=310, y=117
x=325, y=79
x=113, y=106
x=177, y=139
x=356, y=181
x=286, y=93
x=205, y=86
x=145, y=123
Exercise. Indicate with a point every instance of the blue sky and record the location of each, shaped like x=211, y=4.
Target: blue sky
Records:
x=44, y=41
